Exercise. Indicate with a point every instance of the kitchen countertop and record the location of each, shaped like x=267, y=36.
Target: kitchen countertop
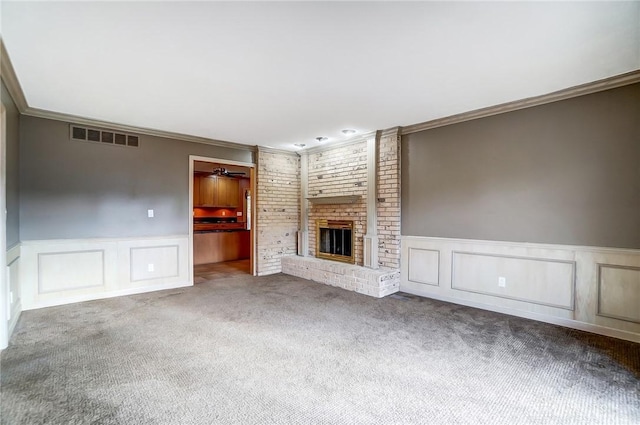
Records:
x=219, y=230
x=218, y=226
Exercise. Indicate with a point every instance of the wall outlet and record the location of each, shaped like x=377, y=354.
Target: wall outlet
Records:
x=150, y=213
x=151, y=267
x=502, y=281
x=11, y=297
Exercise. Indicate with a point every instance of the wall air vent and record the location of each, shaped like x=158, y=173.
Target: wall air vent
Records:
x=108, y=137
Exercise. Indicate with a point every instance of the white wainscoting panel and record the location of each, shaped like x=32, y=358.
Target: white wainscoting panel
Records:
x=535, y=280
x=64, y=271
x=619, y=292
x=424, y=266
x=169, y=259
x=589, y=288
x=55, y=272
x=13, y=285
x=155, y=262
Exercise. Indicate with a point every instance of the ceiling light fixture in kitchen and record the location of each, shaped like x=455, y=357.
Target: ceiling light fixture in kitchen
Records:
x=322, y=139
x=348, y=132
x=299, y=145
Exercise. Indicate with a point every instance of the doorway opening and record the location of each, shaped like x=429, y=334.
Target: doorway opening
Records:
x=222, y=237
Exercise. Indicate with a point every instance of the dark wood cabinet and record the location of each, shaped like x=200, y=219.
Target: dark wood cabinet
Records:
x=245, y=244
x=215, y=191
x=227, y=192
x=215, y=247
x=208, y=191
x=196, y=191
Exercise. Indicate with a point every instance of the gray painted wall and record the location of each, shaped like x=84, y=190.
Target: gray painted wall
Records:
x=13, y=181
x=72, y=189
x=565, y=173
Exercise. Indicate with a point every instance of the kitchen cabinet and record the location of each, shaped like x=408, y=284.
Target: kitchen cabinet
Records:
x=208, y=191
x=215, y=247
x=228, y=192
x=215, y=191
x=245, y=244
x=196, y=190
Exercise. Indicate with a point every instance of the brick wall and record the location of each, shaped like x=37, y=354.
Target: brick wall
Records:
x=388, y=206
x=339, y=171
x=277, y=208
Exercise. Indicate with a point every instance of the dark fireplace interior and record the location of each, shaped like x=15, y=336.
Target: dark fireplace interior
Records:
x=335, y=240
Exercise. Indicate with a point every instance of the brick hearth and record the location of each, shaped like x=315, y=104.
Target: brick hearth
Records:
x=376, y=283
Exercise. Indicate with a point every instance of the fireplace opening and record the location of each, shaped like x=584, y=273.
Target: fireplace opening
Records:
x=334, y=240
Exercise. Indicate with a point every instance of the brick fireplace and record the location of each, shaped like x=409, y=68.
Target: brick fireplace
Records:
x=336, y=188
x=358, y=182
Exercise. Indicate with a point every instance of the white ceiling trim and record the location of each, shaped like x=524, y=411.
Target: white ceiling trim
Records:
x=284, y=73
x=8, y=75
x=571, y=92
x=57, y=116
x=10, y=79
x=265, y=149
x=355, y=139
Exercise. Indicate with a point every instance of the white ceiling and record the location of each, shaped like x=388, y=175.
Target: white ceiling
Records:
x=275, y=74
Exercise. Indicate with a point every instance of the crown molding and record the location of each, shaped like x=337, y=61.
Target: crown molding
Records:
x=568, y=93
x=394, y=131
x=90, y=122
x=15, y=90
x=10, y=79
x=353, y=140
x=261, y=149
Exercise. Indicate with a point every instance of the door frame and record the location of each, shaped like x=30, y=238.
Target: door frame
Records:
x=252, y=178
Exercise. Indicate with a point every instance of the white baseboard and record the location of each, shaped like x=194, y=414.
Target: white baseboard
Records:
x=104, y=295
x=15, y=316
x=594, y=289
x=13, y=287
x=567, y=323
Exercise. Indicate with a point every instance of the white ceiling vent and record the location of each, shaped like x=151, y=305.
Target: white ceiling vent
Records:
x=109, y=137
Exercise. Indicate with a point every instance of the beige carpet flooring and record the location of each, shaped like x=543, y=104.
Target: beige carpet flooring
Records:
x=282, y=350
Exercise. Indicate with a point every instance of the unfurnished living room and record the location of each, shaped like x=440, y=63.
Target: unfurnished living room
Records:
x=320, y=212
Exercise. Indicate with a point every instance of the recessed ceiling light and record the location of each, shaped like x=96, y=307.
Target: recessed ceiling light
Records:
x=299, y=145
x=322, y=139
x=348, y=131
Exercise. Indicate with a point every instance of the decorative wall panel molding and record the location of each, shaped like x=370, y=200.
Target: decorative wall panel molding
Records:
x=13, y=285
x=154, y=262
x=535, y=280
x=424, y=266
x=619, y=292
x=64, y=271
x=595, y=289
x=55, y=272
